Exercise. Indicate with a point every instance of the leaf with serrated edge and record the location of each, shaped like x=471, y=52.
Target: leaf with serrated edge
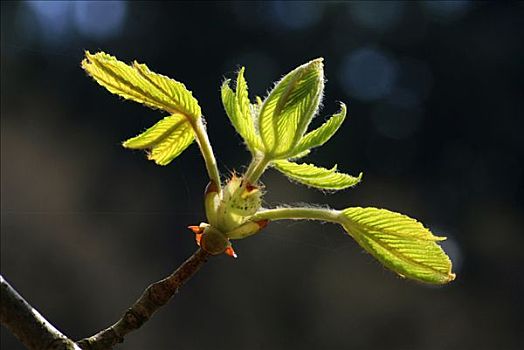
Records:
x=300, y=155
x=139, y=84
x=322, y=134
x=311, y=175
x=175, y=91
x=255, y=107
x=289, y=108
x=172, y=145
x=399, y=242
x=156, y=133
x=244, y=107
x=239, y=111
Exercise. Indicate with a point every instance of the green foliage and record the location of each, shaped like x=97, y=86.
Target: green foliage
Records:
x=136, y=82
x=275, y=127
x=169, y=137
x=274, y=131
x=240, y=111
x=289, y=108
x=165, y=140
x=321, y=135
x=401, y=243
x=311, y=175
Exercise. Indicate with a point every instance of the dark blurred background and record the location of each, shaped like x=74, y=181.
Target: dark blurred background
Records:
x=435, y=100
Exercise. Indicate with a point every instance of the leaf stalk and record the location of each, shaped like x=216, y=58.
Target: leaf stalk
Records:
x=207, y=152
x=299, y=213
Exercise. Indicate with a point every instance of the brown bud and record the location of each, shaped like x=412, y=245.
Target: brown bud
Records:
x=262, y=223
x=211, y=187
x=196, y=229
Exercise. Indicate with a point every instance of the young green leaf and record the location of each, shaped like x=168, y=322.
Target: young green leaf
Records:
x=240, y=111
x=174, y=144
x=321, y=135
x=166, y=139
x=180, y=97
x=256, y=107
x=300, y=155
x=139, y=84
x=310, y=175
x=156, y=133
x=399, y=242
x=289, y=108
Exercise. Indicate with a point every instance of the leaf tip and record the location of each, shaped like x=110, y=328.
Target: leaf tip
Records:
x=225, y=83
x=318, y=65
x=86, y=61
x=127, y=143
x=319, y=60
x=452, y=277
x=343, y=108
x=84, y=64
x=444, y=279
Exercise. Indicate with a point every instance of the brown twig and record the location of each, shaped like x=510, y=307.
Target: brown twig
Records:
x=155, y=296
x=36, y=333
x=26, y=323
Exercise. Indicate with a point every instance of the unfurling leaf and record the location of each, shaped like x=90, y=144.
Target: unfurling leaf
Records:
x=172, y=145
x=274, y=130
x=136, y=82
x=181, y=98
x=166, y=139
x=300, y=155
x=240, y=111
x=311, y=175
x=289, y=108
x=399, y=242
x=156, y=133
x=257, y=106
x=322, y=134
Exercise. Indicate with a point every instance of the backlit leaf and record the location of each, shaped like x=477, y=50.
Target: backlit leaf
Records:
x=399, y=242
x=240, y=111
x=156, y=133
x=171, y=146
x=321, y=135
x=165, y=140
x=181, y=98
x=300, y=155
x=289, y=108
x=311, y=175
x=136, y=82
x=256, y=107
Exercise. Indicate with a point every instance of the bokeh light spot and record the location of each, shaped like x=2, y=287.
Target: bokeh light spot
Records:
x=447, y=10
x=376, y=15
x=99, y=19
x=296, y=15
x=368, y=74
x=53, y=19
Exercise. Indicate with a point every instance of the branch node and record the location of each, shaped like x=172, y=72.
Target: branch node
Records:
x=133, y=319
